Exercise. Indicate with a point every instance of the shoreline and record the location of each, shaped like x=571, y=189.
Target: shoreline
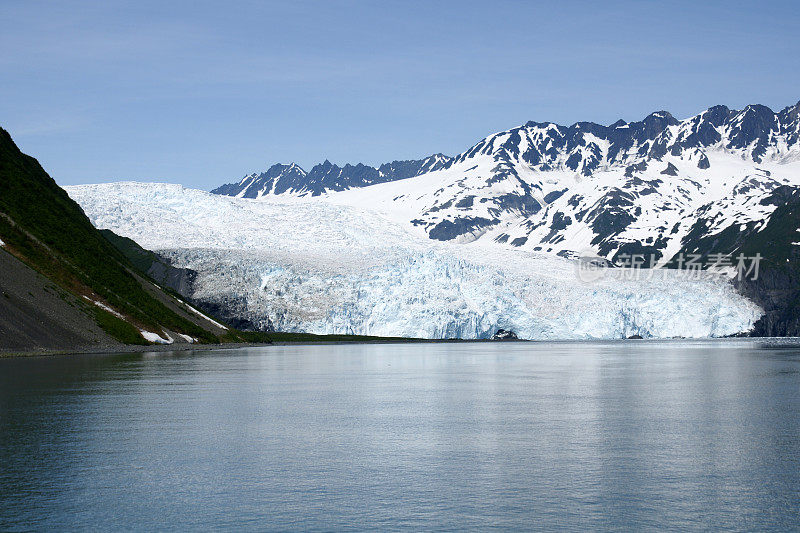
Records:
x=185, y=347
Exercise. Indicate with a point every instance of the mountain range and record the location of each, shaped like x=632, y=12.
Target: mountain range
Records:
x=325, y=177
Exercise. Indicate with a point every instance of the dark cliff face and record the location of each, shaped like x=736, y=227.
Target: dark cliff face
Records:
x=182, y=281
x=777, y=292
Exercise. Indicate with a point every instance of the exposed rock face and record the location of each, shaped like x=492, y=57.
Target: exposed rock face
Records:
x=504, y=335
x=777, y=291
x=234, y=313
x=777, y=287
x=159, y=268
x=180, y=280
x=671, y=170
x=36, y=314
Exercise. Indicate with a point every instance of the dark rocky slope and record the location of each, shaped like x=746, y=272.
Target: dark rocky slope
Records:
x=37, y=314
x=181, y=281
x=153, y=265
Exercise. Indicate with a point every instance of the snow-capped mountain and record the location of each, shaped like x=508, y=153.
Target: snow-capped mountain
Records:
x=325, y=177
x=647, y=187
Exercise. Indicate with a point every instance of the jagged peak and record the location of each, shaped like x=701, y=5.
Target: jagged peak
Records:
x=423, y=161
x=325, y=166
x=543, y=125
x=757, y=108
x=719, y=107
x=715, y=115
x=658, y=116
x=276, y=170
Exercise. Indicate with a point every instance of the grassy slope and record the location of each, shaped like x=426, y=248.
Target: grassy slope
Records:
x=41, y=225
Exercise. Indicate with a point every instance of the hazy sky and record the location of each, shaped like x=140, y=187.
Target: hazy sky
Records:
x=201, y=93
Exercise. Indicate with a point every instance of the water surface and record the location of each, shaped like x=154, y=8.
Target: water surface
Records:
x=436, y=436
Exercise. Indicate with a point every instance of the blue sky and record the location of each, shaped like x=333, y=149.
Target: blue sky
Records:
x=201, y=93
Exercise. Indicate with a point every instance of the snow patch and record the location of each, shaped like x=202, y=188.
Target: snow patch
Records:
x=202, y=315
x=187, y=338
x=104, y=307
x=149, y=336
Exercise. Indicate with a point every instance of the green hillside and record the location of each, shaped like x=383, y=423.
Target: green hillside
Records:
x=44, y=228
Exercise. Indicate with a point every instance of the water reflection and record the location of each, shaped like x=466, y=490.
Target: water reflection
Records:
x=517, y=435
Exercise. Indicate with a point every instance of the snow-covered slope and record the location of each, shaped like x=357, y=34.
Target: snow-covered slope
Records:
x=331, y=264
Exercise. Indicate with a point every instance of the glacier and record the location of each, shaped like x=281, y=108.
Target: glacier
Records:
x=321, y=266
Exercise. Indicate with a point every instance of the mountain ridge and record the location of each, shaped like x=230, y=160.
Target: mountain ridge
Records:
x=326, y=176
x=755, y=123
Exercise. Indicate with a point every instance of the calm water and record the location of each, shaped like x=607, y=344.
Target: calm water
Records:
x=520, y=435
